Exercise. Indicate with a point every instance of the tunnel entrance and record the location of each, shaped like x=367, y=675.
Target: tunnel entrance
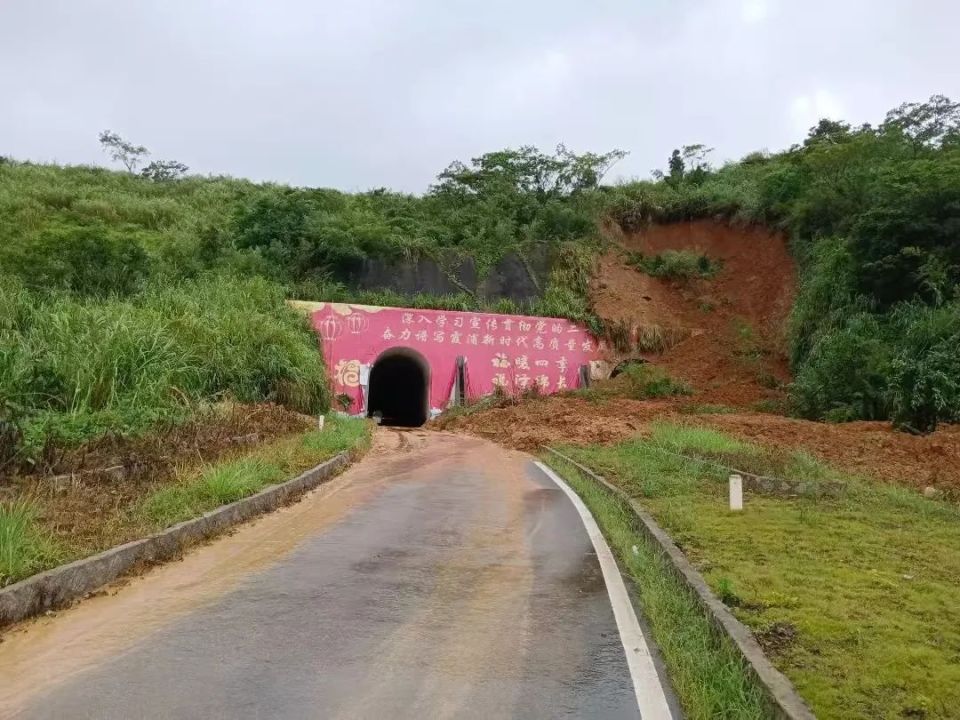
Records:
x=400, y=388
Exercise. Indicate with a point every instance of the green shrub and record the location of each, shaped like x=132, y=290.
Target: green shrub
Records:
x=648, y=382
x=925, y=377
x=846, y=373
x=676, y=264
x=88, y=260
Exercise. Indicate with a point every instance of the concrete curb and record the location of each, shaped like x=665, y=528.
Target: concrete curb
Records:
x=57, y=587
x=783, y=697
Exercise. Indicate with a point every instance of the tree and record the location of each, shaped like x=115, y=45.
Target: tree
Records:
x=164, y=170
x=695, y=156
x=123, y=151
x=827, y=131
x=695, y=161
x=930, y=124
x=687, y=162
x=527, y=170
x=586, y=171
x=676, y=166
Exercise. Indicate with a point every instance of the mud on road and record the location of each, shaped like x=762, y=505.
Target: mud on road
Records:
x=441, y=576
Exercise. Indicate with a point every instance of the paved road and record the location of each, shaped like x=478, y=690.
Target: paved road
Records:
x=440, y=577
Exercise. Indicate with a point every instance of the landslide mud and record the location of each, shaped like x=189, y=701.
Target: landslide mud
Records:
x=873, y=449
x=46, y=651
x=734, y=351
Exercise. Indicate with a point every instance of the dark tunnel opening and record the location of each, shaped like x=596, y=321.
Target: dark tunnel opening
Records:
x=399, y=382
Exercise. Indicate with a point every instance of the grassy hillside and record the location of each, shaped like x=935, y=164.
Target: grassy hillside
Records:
x=116, y=312
x=75, y=368
x=128, y=301
x=96, y=232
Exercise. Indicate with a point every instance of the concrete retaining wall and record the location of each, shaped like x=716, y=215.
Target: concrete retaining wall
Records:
x=57, y=587
x=783, y=698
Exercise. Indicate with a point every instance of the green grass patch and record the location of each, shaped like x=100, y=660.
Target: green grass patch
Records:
x=24, y=547
x=639, y=381
x=686, y=438
x=855, y=599
x=227, y=482
x=706, y=670
x=675, y=264
x=647, y=382
x=706, y=409
x=216, y=486
x=28, y=547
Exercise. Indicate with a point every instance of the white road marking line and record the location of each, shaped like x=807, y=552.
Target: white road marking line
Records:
x=651, y=699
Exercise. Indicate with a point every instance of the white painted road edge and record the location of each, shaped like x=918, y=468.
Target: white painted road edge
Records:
x=651, y=698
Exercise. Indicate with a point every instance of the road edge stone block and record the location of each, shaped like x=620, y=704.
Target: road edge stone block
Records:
x=57, y=587
x=783, y=697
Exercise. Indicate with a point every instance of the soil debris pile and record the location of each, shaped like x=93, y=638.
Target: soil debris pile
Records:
x=731, y=318
x=872, y=449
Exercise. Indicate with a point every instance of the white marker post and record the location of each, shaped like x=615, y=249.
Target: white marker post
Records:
x=320, y=420
x=736, y=492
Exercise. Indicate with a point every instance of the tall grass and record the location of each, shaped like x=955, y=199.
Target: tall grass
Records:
x=226, y=482
x=73, y=368
x=23, y=547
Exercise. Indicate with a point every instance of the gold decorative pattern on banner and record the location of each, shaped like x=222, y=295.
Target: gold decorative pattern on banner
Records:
x=347, y=373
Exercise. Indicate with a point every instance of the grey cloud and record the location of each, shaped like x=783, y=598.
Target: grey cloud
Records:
x=367, y=93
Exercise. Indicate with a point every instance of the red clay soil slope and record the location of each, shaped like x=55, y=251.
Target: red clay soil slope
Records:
x=734, y=351
x=734, y=355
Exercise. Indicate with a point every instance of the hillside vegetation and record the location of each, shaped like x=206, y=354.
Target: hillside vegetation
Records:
x=74, y=368
x=873, y=214
x=97, y=232
x=127, y=299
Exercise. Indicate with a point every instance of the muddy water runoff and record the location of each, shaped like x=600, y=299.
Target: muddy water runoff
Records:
x=442, y=576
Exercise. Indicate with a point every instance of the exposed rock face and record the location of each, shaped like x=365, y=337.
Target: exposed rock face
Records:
x=509, y=278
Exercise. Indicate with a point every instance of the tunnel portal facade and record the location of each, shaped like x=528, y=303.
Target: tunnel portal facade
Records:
x=403, y=365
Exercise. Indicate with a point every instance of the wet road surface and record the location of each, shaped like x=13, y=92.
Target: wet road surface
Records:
x=440, y=577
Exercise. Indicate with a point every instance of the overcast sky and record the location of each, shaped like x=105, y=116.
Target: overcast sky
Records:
x=365, y=93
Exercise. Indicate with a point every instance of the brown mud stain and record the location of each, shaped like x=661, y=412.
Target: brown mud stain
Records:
x=482, y=595
x=39, y=654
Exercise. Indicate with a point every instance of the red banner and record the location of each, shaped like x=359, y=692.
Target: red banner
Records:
x=510, y=351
